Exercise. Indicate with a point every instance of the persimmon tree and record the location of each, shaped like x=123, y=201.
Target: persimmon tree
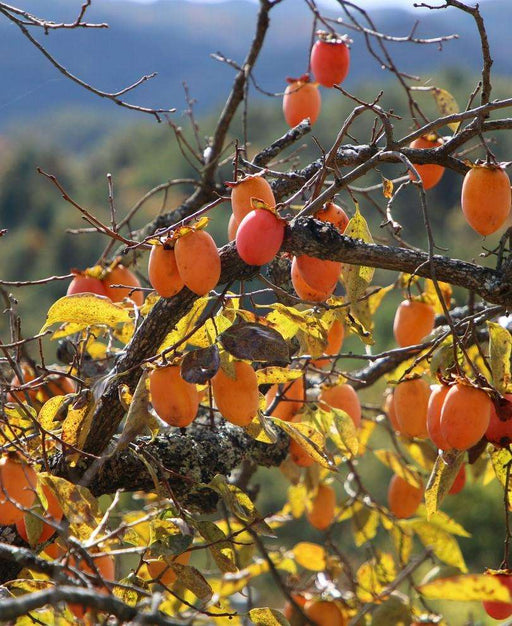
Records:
x=126, y=469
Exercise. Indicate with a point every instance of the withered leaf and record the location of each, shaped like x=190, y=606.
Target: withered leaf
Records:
x=255, y=342
x=198, y=366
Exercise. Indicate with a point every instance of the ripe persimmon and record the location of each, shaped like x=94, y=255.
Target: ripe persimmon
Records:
x=232, y=227
x=301, y=100
x=459, y=482
x=321, y=274
x=105, y=566
x=289, y=611
x=413, y=321
x=325, y=613
x=430, y=173
x=343, y=397
x=121, y=275
x=163, y=271
x=237, y=398
x=403, y=498
x=500, y=610
x=259, y=237
x=291, y=399
x=306, y=291
x=333, y=214
x=499, y=431
x=323, y=505
x=335, y=338
x=162, y=572
x=486, y=198
x=175, y=400
x=465, y=416
x=435, y=405
x=198, y=261
x=86, y=284
x=17, y=485
x=53, y=512
x=389, y=408
x=300, y=456
x=242, y=191
x=411, y=403
x=330, y=61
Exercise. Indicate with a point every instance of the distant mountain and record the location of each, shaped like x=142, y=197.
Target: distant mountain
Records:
x=175, y=39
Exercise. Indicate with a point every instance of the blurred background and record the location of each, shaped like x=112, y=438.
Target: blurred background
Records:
x=48, y=122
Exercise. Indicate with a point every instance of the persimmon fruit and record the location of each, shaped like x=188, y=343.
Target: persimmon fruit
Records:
x=499, y=431
x=175, y=400
x=163, y=572
x=198, y=261
x=300, y=456
x=301, y=100
x=389, y=408
x=323, y=505
x=121, y=275
x=86, y=284
x=330, y=61
x=435, y=405
x=335, y=338
x=430, y=173
x=52, y=512
x=306, y=291
x=333, y=214
x=291, y=399
x=291, y=614
x=459, y=482
x=321, y=274
x=325, y=613
x=259, y=237
x=465, y=416
x=17, y=485
x=249, y=187
x=233, y=225
x=237, y=398
x=403, y=498
x=163, y=271
x=413, y=321
x=411, y=404
x=500, y=610
x=343, y=397
x=486, y=198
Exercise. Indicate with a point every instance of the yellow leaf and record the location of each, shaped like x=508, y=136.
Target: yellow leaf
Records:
x=471, y=587
x=84, y=310
x=444, y=545
x=274, y=375
x=500, y=348
x=311, y=556
x=309, y=439
x=77, y=503
x=430, y=296
x=421, y=452
x=365, y=523
x=297, y=497
x=267, y=617
x=340, y=428
x=77, y=423
x=138, y=418
x=186, y=324
x=356, y=277
x=398, y=466
x=220, y=548
x=444, y=473
x=193, y=580
x=374, y=576
x=501, y=458
x=446, y=104
x=444, y=521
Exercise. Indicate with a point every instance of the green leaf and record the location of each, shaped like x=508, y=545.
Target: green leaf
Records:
x=441, y=479
x=357, y=277
x=500, y=349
